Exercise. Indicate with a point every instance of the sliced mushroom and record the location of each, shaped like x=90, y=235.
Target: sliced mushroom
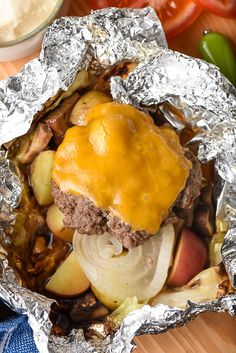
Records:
x=58, y=120
x=87, y=308
x=204, y=216
x=34, y=143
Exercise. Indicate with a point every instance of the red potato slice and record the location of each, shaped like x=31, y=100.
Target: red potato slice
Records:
x=190, y=259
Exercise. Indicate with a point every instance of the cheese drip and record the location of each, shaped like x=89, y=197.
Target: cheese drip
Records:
x=124, y=163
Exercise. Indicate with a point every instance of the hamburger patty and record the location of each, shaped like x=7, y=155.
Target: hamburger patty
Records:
x=81, y=213
x=193, y=184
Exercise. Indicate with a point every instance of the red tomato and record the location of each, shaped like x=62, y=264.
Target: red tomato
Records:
x=175, y=15
x=223, y=8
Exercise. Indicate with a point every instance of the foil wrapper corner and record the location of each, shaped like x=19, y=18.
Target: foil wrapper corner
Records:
x=203, y=96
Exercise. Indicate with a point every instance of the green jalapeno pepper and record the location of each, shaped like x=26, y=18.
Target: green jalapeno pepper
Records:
x=216, y=49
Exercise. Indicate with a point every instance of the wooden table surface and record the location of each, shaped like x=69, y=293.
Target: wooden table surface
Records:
x=210, y=332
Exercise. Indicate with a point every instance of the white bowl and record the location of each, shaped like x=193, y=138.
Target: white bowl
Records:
x=29, y=43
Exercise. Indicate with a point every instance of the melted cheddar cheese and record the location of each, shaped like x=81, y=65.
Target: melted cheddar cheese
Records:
x=124, y=163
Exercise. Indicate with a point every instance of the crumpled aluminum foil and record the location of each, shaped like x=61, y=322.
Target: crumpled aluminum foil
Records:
x=23, y=301
x=10, y=194
x=200, y=92
x=70, y=45
x=197, y=89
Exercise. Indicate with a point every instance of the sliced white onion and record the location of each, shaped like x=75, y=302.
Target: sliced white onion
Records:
x=139, y=272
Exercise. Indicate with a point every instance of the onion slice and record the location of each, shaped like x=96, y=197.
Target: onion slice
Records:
x=117, y=274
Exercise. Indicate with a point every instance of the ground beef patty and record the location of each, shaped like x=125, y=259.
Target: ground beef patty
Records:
x=193, y=184
x=81, y=213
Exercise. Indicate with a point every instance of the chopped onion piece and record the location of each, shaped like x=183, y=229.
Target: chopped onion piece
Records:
x=119, y=274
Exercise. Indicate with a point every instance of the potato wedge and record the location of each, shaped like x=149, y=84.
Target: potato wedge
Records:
x=69, y=279
x=88, y=101
x=202, y=288
x=190, y=258
x=41, y=177
x=55, y=223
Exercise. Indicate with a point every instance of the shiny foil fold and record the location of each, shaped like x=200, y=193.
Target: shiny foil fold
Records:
x=205, y=99
x=10, y=193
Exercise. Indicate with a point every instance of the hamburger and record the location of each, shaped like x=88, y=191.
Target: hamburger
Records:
x=118, y=172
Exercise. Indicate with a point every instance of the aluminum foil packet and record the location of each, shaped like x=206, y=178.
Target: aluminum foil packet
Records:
x=162, y=77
